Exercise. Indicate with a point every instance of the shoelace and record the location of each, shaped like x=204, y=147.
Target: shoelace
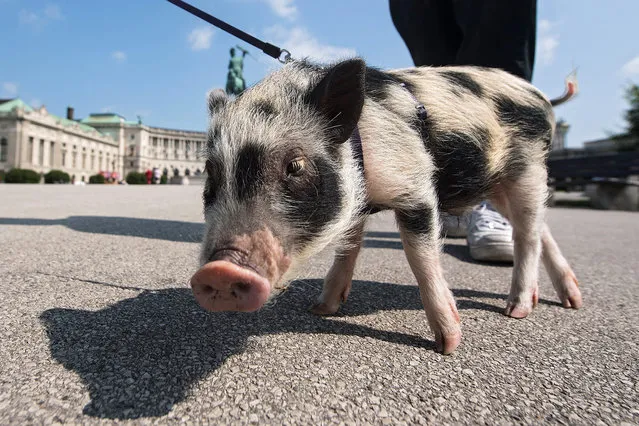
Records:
x=488, y=218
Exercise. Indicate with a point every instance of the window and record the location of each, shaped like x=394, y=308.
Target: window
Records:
x=31, y=149
x=92, y=161
x=51, y=150
x=132, y=136
x=84, y=160
x=41, y=153
x=4, y=150
x=74, y=159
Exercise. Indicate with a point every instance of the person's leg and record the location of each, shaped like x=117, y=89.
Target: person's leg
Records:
x=498, y=34
x=429, y=30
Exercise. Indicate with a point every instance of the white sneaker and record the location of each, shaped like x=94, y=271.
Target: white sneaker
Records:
x=454, y=226
x=490, y=236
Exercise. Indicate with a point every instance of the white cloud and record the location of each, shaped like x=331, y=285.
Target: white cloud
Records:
x=283, y=8
x=631, y=68
x=119, y=56
x=548, y=41
x=544, y=25
x=29, y=17
x=302, y=44
x=35, y=103
x=53, y=12
x=9, y=89
x=38, y=19
x=106, y=109
x=200, y=38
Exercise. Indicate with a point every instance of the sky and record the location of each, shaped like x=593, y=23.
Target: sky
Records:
x=152, y=59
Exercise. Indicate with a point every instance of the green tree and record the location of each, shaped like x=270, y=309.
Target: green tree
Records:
x=632, y=115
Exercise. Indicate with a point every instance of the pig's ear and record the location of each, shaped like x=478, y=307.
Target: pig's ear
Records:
x=340, y=97
x=217, y=99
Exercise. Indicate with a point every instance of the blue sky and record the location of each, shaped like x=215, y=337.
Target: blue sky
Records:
x=152, y=59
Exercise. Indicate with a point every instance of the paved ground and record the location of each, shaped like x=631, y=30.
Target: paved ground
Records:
x=97, y=326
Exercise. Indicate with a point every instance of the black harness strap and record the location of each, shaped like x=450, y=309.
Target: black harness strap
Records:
x=358, y=153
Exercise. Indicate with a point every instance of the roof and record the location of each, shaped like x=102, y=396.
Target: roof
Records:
x=103, y=118
x=66, y=122
x=11, y=104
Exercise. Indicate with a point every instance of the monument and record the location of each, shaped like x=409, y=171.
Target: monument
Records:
x=235, y=83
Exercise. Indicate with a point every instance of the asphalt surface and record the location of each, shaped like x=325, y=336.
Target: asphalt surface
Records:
x=97, y=326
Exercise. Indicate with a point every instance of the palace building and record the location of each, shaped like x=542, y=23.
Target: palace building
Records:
x=32, y=138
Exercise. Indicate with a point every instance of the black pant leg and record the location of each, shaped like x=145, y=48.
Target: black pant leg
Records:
x=429, y=30
x=498, y=34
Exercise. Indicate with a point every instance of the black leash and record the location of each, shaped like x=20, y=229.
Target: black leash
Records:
x=273, y=51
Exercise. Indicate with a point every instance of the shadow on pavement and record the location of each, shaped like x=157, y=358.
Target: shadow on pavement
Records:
x=391, y=240
x=170, y=230
x=141, y=355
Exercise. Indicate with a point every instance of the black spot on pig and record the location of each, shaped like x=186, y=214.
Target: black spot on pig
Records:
x=462, y=176
x=413, y=71
x=213, y=182
x=265, y=108
x=250, y=171
x=527, y=121
x=417, y=221
x=378, y=84
x=314, y=199
x=539, y=96
x=464, y=80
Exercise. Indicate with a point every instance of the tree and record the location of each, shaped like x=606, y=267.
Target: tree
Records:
x=632, y=115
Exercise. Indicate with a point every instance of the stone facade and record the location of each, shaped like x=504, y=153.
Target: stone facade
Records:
x=101, y=143
x=34, y=139
x=146, y=147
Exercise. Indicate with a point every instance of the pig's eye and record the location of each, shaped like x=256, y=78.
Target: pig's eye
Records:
x=295, y=167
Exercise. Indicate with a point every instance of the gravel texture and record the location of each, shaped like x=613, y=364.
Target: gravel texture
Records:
x=97, y=326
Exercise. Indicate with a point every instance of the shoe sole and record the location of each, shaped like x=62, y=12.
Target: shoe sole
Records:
x=492, y=252
x=454, y=234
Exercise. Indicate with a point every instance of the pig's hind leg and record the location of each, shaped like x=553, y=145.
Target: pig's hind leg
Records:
x=522, y=202
x=337, y=284
x=419, y=228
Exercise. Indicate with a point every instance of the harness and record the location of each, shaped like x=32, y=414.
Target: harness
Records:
x=358, y=153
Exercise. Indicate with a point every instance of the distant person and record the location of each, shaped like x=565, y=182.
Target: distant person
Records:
x=157, y=175
x=488, y=33
x=149, y=176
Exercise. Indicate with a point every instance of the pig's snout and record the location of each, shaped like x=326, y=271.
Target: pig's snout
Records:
x=225, y=286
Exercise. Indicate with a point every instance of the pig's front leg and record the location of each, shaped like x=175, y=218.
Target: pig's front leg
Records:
x=419, y=229
x=337, y=283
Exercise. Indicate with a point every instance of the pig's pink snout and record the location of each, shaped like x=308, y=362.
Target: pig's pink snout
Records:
x=224, y=286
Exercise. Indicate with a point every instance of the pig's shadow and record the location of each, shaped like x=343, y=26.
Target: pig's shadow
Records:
x=141, y=355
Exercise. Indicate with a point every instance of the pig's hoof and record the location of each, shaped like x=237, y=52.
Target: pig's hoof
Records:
x=323, y=309
x=572, y=300
x=570, y=295
x=520, y=309
x=447, y=343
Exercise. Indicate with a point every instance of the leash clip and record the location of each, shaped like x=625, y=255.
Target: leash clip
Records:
x=284, y=57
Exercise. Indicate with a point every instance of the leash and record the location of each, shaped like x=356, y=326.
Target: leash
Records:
x=271, y=50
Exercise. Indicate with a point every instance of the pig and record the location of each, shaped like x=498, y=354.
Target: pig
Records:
x=301, y=159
